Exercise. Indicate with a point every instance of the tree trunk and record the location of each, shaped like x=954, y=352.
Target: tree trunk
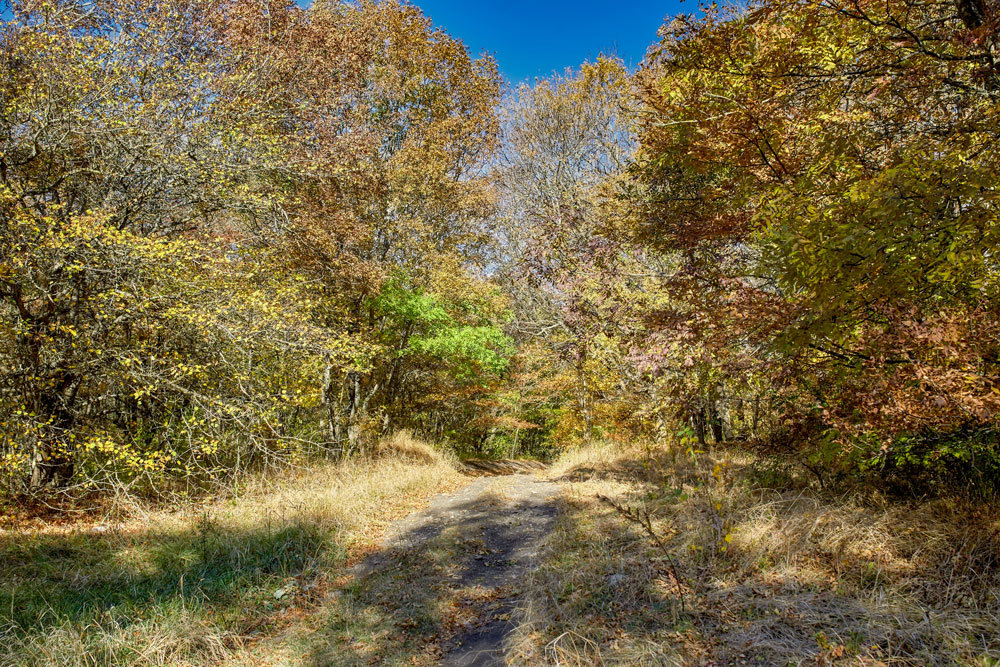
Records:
x=756, y=413
x=357, y=412
x=584, y=398
x=54, y=462
x=715, y=419
x=699, y=425
x=329, y=411
x=353, y=410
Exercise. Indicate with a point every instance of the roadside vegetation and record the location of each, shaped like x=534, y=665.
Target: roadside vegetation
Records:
x=240, y=236
x=254, y=255
x=203, y=582
x=747, y=559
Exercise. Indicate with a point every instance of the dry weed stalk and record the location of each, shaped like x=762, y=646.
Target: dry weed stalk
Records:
x=642, y=518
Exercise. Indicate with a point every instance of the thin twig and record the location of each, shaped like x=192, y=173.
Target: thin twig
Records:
x=642, y=518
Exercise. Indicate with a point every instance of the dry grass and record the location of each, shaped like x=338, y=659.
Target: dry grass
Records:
x=398, y=615
x=202, y=583
x=404, y=446
x=770, y=569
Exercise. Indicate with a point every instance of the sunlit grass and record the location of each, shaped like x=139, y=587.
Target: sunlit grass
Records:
x=202, y=583
x=773, y=570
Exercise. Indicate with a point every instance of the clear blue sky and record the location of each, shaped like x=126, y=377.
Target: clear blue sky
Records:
x=535, y=38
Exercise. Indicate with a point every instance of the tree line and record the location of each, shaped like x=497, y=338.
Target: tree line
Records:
x=240, y=234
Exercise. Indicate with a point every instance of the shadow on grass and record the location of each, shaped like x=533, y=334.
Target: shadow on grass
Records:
x=881, y=596
x=116, y=583
x=817, y=579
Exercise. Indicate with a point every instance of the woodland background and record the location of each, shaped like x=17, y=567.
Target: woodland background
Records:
x=240, y=235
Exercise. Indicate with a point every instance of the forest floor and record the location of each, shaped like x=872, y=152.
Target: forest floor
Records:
x=611, y=556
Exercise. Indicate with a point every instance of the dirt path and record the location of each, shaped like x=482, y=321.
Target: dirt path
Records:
x=466, y=553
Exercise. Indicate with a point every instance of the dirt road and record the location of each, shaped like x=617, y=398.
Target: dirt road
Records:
x=443, y=587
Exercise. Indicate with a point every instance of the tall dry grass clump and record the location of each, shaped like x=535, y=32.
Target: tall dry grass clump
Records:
x=403, y=445
x=749, y=561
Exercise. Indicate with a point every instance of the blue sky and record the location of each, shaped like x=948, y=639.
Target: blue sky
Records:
x=535, y=38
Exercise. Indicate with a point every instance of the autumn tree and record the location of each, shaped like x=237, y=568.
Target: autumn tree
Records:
x=208, y=209
x=823, y=171
x=408, y=125
x=129, y=135
x=566, y=142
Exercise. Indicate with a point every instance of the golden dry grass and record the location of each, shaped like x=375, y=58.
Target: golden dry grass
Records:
x=203, y=583
x=772, y=570
x=403, y=445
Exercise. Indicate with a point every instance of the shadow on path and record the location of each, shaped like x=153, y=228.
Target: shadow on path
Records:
x=444, y=585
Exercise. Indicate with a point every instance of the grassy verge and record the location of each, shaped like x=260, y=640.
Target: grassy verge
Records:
x=750, y=563
x=204, y=583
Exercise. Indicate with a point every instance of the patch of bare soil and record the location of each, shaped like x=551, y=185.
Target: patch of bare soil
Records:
x=487, y=467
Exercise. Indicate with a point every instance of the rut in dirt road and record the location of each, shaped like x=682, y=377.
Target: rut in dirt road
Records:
x=467, y=552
